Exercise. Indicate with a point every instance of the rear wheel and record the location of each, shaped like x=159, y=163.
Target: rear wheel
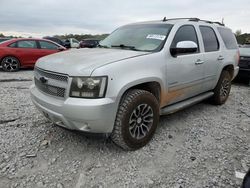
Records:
x=222, y=89
x=10, y=64
x=136, y=120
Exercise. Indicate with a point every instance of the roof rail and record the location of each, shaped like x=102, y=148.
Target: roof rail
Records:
x=165, y=19
x=193, y=20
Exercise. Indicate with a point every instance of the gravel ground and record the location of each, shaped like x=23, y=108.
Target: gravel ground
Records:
x=201, y=146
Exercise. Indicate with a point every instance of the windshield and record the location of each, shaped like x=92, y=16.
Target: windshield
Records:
x=142, y=37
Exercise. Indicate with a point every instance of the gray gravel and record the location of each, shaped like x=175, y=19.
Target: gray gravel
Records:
x=201, y=146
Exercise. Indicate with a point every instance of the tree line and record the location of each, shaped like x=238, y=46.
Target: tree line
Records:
x=241, y=38
x=82, y=36
x=78, y=37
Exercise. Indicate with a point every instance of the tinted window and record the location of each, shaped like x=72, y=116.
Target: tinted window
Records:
x=209, y=39
x=185, y=33
x=56, y=40
x=48, y=45
x=26, y=44
x=75, y=41
x=228, y=38
x=13, y=45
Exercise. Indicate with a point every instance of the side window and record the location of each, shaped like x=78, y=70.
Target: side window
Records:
x=209, y=39
x=48, y=45
x=185, y=33
x=26, y=44
x=13, y=45
x=228, y=38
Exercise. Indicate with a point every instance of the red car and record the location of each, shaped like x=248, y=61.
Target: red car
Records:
x=17, y=53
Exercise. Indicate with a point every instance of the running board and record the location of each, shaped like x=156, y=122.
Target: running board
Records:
x=181, y=105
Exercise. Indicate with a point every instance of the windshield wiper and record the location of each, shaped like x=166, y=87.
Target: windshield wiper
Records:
x=122, y=46
x=125, y=46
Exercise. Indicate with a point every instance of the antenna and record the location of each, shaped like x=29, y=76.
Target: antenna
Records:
x=222, y=21
x=164, y=19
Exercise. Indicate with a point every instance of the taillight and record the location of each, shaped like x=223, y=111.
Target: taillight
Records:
x=238, y=57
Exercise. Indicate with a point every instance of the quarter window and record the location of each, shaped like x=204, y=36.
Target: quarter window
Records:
x=48, y=45
x=185, y=33
x=13, y=45
x=26, y=44
x=228, y=38
x=209, y=39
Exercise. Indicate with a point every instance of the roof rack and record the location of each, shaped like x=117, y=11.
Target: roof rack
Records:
x=165, y=19
x=193, y=20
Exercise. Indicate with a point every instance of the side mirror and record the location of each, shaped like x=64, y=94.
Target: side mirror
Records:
x=184, y=47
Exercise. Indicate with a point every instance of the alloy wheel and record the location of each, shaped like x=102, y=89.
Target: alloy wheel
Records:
x=225, y=88
x=10, y=64
x=141, y=121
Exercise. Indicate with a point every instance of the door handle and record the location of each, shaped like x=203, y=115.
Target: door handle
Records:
x=220, y=58
x=199, y=62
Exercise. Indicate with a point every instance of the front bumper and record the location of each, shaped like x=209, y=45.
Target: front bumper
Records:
x=89, y=115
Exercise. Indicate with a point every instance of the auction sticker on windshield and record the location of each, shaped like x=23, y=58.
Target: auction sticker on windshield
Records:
x=157, y=37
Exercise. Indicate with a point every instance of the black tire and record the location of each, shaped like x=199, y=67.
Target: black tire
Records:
x=10, y=64
x=136, y=120
x=222, y=89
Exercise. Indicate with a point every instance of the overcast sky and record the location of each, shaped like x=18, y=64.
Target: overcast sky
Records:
x=39, y=18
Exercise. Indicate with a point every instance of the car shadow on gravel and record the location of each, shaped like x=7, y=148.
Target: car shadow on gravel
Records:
x=89, y=141
x=94, y=141
x=241, y=82
x=21, y=70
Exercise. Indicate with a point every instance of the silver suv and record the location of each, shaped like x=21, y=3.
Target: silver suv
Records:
x=139, y=72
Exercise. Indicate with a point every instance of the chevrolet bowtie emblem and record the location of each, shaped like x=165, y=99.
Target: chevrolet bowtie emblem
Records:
x=43, y=80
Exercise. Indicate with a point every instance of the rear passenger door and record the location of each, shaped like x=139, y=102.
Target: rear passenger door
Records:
x=213, y=57
x=185, y=71
x=27, y=51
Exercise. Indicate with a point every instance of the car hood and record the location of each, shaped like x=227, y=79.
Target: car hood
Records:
x=245, y=52
x=82, y=62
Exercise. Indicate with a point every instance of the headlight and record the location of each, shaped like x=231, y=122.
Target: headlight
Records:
x=88, y=87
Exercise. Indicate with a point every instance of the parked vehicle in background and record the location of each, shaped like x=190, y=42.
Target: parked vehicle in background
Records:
x=89, y=43
x=4, y=39
x=71, y=43
x=17, y=53
x=244, y=64
x=56, y=40
x=139, y=72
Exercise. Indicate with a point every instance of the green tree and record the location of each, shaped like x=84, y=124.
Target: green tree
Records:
x=238, y=32
x=82, y=36
x=243, y=38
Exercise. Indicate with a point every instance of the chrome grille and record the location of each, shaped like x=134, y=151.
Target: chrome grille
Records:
x=55, y=76
x=244, y=62
x=54, y=84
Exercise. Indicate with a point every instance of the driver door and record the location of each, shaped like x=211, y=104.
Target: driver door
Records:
x=185, y=71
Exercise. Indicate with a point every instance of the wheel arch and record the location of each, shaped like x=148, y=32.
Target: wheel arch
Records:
x=10, y=55
x=154, y=87
x=230, y=69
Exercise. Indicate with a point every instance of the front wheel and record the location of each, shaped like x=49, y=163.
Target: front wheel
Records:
x=222, y=89
x=136, y=121
x=10, y=64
